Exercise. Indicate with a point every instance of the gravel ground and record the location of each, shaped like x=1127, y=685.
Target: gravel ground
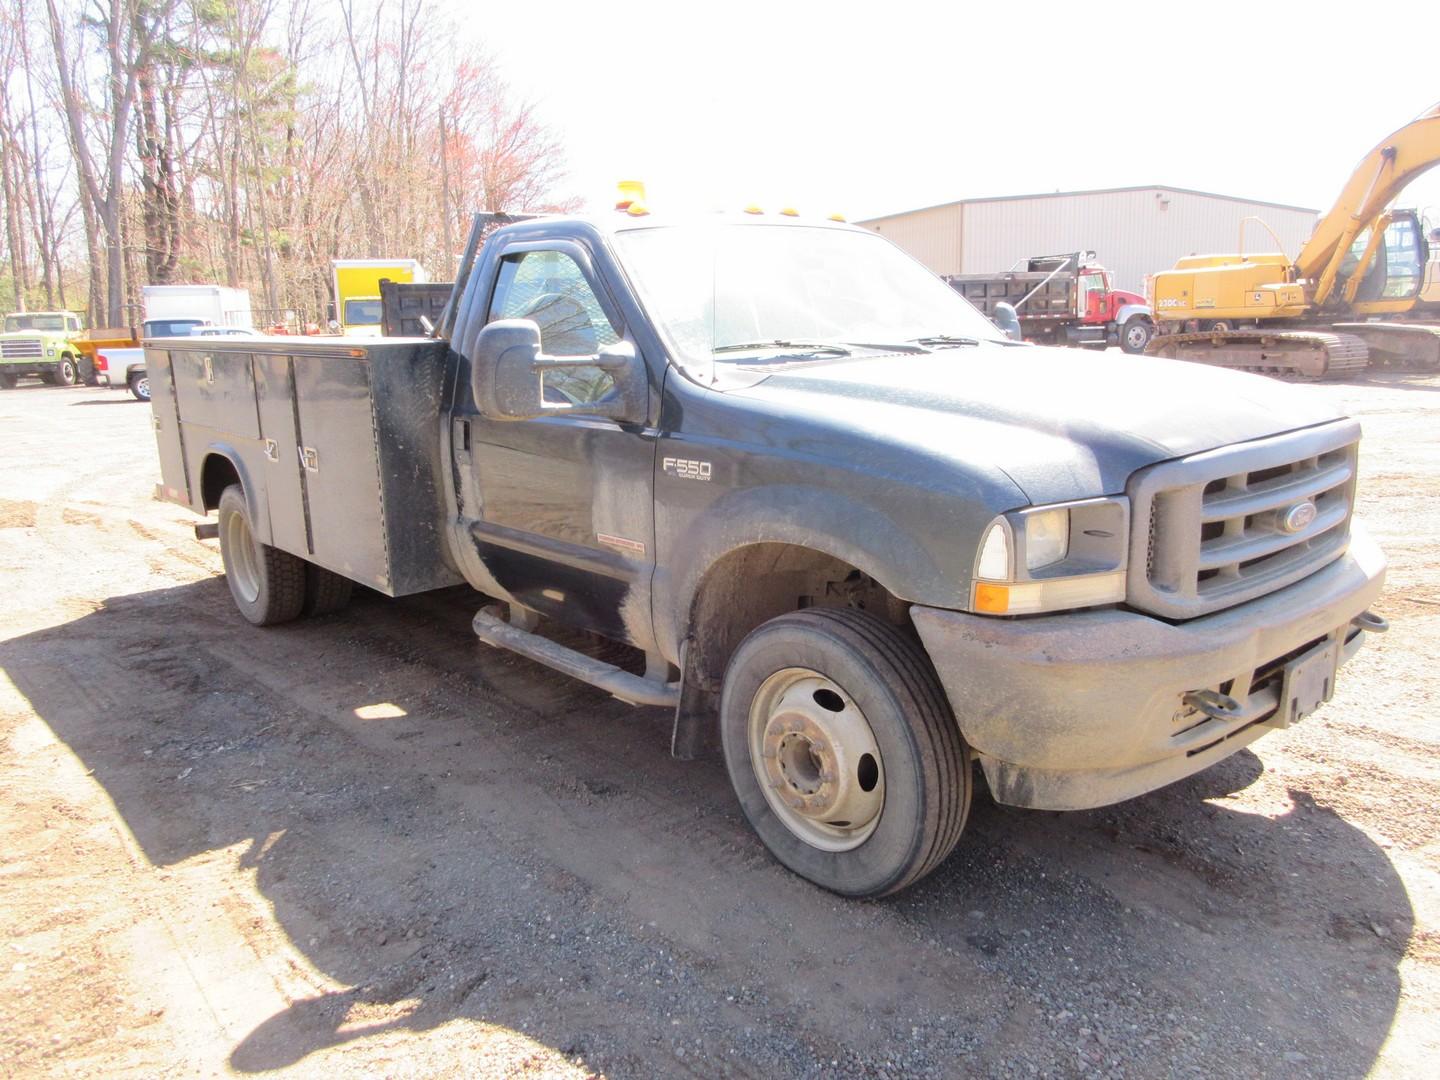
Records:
x=366, y=845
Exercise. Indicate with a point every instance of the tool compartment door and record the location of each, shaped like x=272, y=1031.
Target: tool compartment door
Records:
x=284, y=477
x=338, y=457
x=165, y=418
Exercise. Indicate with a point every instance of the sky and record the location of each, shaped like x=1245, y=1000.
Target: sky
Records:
x=868, y=109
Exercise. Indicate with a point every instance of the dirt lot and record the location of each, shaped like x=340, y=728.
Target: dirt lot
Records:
x=365, y=845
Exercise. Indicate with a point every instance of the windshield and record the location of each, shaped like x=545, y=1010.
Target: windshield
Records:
x=362, y=312
x=171, y=327
x=736, y=294
x=50, y=323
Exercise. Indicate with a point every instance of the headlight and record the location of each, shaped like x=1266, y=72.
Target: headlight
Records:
x=49, y=350
x=1047, y=537
x=1050, y=558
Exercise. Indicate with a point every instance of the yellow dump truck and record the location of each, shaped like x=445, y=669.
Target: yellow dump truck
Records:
x=357, y=290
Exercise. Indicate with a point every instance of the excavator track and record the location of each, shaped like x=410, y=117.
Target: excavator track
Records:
x=1396, y=345
x=1303, y=354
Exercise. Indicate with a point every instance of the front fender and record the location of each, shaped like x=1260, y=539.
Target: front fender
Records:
x=1127, y=311
x=826, y=521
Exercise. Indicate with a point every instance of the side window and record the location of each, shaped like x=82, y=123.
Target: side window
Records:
x=549, y=288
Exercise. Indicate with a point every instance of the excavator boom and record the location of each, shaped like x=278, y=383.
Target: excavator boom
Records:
x=1380, y=176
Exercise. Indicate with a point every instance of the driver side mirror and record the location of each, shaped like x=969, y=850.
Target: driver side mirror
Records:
x=507, y=376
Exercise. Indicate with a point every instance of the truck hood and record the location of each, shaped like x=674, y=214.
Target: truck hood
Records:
x=1059, y=423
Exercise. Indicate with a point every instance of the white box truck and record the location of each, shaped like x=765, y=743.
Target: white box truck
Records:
x=175, y=310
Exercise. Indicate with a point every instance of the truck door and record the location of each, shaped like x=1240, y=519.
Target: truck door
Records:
x=566, y=517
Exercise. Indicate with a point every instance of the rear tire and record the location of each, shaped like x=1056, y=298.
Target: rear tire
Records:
x=1135, y=335
x=86, y=371
x=326, y=592
x=139, y=384
x=267, y=584
x=808, y=698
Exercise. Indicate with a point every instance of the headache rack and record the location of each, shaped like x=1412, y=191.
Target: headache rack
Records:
x=1226, y=526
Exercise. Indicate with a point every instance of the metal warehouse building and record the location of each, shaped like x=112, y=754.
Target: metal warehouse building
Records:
x=1134, y=231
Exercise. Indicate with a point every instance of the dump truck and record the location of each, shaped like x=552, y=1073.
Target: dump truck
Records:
x=40, y=343
x=855, y=540
x=357, y=291
x=1063, y=300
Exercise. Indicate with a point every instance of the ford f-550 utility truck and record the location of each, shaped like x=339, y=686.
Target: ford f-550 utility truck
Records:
x=859, y=539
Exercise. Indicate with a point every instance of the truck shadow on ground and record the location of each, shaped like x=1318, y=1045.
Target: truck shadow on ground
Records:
x=455, y=834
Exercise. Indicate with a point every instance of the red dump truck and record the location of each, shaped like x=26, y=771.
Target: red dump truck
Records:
x=1064, y=300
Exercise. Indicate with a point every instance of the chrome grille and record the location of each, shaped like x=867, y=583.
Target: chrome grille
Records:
x=22, y=348
x=1218, y=525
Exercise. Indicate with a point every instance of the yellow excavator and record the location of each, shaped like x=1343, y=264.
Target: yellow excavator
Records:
x=1365, y=287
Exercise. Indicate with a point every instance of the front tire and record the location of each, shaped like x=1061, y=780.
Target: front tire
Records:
x=66, y=373
x=1135, y=335
x=267, y=584
x=8, y=379
x=139, y=384
x=843, y=751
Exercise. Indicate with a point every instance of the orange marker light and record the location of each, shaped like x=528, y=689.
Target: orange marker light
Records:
x=992, y=599
x=790, y=211
x=629, y=193
x=637, y=209
x=836, y=217
x=753, y=209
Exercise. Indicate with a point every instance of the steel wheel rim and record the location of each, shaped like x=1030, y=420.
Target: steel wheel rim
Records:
x=243, y=563
x=1136, y=336
x=143, y=387
x=815, y=757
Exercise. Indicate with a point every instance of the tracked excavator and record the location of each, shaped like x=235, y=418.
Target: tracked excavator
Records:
x=1364, y=289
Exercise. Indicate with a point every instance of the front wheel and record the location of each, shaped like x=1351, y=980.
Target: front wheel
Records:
x=139, y=384
x=1136, y=334
x=843, y=751
x=8, y=379
x=267, y=584
x=65, y=372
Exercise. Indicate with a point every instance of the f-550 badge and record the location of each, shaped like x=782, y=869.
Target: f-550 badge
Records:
x=686, y=468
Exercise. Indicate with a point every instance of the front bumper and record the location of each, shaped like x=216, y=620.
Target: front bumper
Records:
x=1086, y=708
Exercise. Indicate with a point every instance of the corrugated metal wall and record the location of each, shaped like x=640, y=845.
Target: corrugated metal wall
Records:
x=1133, y=232
x=932, y=236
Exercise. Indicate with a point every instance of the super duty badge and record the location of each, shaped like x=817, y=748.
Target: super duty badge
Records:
x=687, y=468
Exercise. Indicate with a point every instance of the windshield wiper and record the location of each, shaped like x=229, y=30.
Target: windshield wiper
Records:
x=917, y=347
x=943, y=340
x=781, y=343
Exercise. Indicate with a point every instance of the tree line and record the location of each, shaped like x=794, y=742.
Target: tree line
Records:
x=246, y=143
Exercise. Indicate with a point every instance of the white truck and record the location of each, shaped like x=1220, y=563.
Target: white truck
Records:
x=170, y=311
x=175, y=310
x=123, y=367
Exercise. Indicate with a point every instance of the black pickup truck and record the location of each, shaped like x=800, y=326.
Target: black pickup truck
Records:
x=860, y=540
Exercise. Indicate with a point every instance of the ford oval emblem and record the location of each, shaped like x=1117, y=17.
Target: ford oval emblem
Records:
x=1298, y=516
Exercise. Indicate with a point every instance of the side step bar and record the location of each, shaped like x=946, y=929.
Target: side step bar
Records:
x=491, y=628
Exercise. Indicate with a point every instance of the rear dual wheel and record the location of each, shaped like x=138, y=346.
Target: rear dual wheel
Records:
x=271, y=586
x=843, y=751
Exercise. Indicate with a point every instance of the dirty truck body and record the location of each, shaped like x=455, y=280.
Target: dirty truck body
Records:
x=860, y=539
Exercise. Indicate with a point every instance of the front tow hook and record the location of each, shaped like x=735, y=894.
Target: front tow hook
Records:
x=1368, y=620
x=1214, y=704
